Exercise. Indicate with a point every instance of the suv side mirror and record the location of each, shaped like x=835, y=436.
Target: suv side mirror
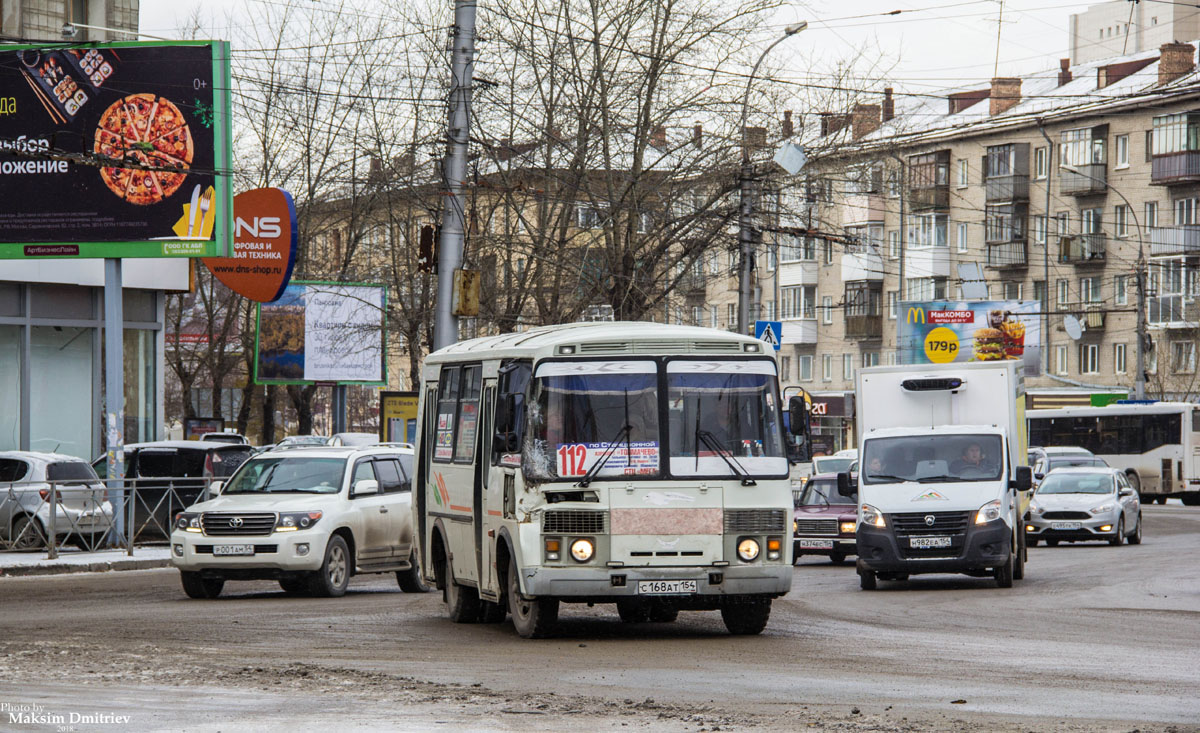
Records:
x=365, y=487
x=1023, y=479
x=846, y=487
x=214, y=489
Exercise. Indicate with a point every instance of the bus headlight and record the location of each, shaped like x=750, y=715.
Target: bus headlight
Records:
x=748, y=549
x=582, y=550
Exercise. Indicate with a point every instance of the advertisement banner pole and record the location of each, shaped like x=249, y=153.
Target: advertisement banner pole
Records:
x=114, y=390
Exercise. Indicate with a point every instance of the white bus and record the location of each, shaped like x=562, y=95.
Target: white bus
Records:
x=1157, y=444
x=629, y=463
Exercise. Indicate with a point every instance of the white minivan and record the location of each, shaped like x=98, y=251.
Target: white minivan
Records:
x=308, y=518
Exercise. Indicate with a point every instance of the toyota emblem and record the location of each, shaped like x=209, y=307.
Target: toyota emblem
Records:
x=929, y=520
x=237, y=521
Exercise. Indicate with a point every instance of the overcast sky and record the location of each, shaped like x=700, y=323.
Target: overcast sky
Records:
x=934, y=44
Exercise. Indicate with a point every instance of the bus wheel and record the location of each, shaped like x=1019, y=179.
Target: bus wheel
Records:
x=1190, y=499
x=746, y=619
x=533, y=619
x=1135, y=481
x=632, y=611
x=663, y=612
x=462, y=603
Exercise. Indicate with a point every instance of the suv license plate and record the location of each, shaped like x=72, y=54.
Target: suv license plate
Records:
x=1065, y=525
x=666, y=587
x=816, y=544
x=927, y=542
x=233, y=549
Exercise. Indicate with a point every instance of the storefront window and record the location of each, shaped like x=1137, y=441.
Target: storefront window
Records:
x=140, y=380
x=10, y=387
x=60, y=365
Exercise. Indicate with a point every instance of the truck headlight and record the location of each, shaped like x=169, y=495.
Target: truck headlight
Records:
x=292, y=521
x=989, y=512
x=1102, y=509
x=872, y=516
x=582, y=550
x=188, y=522
x=748, y=549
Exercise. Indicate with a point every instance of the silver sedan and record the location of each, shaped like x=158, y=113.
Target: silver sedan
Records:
x=1079, y=504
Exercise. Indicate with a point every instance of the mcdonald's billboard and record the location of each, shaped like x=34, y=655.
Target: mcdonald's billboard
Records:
x=941, y=332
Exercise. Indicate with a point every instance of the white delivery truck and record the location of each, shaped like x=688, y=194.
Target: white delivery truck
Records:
x=942, y=482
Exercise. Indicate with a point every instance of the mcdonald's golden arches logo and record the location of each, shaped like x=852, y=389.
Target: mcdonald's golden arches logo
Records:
x=915, y=315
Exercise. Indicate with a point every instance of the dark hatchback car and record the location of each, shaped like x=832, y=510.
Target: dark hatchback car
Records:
x=823, y=520
x=171, y=475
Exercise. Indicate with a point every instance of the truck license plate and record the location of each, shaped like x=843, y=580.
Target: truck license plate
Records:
x=1065, y=525
x=233, y=549
x=928, y=542
x=666, y=587
x=816, y=544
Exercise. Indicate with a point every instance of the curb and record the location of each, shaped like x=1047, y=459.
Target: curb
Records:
x=92, y=567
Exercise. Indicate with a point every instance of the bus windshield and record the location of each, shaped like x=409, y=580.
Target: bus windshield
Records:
x=932, y=459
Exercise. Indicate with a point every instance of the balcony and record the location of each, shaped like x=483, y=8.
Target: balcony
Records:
x=1007, y=256
x=693, y=283
x=1006, y=188
x=863, y=208
x=1173, y=312
x=929, y=197
x=1172, y=168
x=1175, y=240
x=862, y=264
x=1083, y=249
x=1087, y=180
x=927, y=262
x=864, y=327
x=800, y=272
x=1090, y=314
x=800, y=331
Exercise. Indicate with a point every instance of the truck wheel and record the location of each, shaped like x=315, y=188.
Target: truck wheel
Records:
x=462, y=603
x=197, y=587
x=410, y=580
x=633, y=611
x=866, y=579
x=1189, y=499
x=1019, y=560
x=333, y=577
x=1004, y=573
x=1119, y=536
x=663, y=612
x=746, y=619
x=533, y=619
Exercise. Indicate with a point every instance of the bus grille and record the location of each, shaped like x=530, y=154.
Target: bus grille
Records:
x=574, y=522
x=220, y=525
x=755, y=520
x=1066, y=515
x=817, y=526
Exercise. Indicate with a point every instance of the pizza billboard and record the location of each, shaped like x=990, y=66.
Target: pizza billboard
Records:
x=940, y=332
x=322, y=333
x=115, y=150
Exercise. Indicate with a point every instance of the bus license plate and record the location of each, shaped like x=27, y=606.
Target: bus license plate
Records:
x=1065, y=525
x=928, y=542
x=666, y=587
x=816, y=544
x=233, y=549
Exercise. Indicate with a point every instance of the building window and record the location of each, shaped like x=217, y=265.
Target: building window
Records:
x=870, y=358
x=588, y=216
x=1062, y=224
x=893, y=304
x=1175, y=283
x=891, y=358
x=1121, y=288
x=1118, y=358
x=1041, y=165
x=962, y=237
x=1082, y=147
x=894, y=245
x=806, y=368
x=1185, y=212
x=712, y=316
x=1176, y=133
x=1062, y=293
x=1012, y=291
x=1039, y=290
x=828, y=247
x=1149, y=145
x=1060, y=360
x=1150, y=214
x=827, y=368
x=772, y=257
x=785, y=368
x=1183, y=357
x=1121, y=145
x=1089, y=289
x=697, y=315
x=731, y=314
x=1039, y=228
x=926, y=288
x=1089, y=359
x=847, y=367
x=962, y=173
x=1004, y=223
x=927, y=230
x=1122, y=217
x=799, y=301
x=827, y=309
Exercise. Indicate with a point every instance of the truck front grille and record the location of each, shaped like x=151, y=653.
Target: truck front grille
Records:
x=918, y=523
x=574, y=521
x=755, y=521
x=221, y=524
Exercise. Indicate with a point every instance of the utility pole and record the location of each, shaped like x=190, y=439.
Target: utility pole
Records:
x=454, y=171
x=1046, y=250
x=1139, y=390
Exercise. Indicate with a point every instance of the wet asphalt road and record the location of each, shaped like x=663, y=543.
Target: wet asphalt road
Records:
x=1095, y=637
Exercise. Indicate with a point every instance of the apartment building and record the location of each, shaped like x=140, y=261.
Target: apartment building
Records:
x=1055, y=185
x=1122, y=27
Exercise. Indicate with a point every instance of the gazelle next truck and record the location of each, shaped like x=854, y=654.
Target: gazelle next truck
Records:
x=942, y=482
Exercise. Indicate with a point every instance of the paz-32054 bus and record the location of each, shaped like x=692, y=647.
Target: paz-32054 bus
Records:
x=629, y=463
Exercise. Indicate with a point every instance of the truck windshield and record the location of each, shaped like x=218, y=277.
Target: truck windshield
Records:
x=932, y=459
x=586, y=412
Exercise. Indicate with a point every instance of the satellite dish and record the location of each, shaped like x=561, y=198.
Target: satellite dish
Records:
x=1072, y=327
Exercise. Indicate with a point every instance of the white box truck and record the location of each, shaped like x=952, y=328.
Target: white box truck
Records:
x=943, y=481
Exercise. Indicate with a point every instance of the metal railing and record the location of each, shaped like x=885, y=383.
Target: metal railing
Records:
x=50, y=516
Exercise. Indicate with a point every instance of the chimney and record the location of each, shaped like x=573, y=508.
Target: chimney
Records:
x=889, y=105
x=1175, y=60
x=658, y=137
x=1064, y=71
x=376, y=173
x=864, y=120
x=788, y=129
x=697, y=135
x=831, y=123
x=1006, y=94
x=756, y=137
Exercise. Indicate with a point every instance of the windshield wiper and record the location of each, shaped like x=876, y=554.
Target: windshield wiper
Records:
x=887, y=477
x=943, y=478
x=726, y=456
x=599, y=464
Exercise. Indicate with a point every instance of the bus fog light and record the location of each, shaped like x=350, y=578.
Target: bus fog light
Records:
x=582, y=550
x=748, y=549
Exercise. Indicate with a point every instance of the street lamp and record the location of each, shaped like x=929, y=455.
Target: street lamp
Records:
x=746, y=179
x=1139, y=385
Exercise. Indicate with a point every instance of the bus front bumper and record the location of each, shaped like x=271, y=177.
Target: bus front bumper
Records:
x=610, y=584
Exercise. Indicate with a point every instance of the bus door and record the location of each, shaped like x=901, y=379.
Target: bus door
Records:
x=423, y=484
x=502, y=458
x=484, y=502
x=451, y=484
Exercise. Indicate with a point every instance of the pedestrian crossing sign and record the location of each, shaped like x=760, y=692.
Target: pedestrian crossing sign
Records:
x=769, y=331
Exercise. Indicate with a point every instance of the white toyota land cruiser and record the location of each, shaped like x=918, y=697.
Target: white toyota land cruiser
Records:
x=309, y=518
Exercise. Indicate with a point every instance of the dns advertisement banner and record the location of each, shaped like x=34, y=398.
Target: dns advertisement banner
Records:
x=941, y=332
x=113, y=150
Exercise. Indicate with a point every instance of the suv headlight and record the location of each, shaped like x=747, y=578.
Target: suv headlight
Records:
x=989, y=512
x=292, y=521
x=1102, y=509
x=188, y=522
x=872, y=516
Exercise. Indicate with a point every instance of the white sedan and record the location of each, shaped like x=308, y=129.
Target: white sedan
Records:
x=1084, y=503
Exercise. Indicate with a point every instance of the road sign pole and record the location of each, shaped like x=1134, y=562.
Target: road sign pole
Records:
x=114, y=390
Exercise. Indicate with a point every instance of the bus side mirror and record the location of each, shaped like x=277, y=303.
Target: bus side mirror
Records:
x=798, y=417
x=845, y=485
x=1023, y=481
